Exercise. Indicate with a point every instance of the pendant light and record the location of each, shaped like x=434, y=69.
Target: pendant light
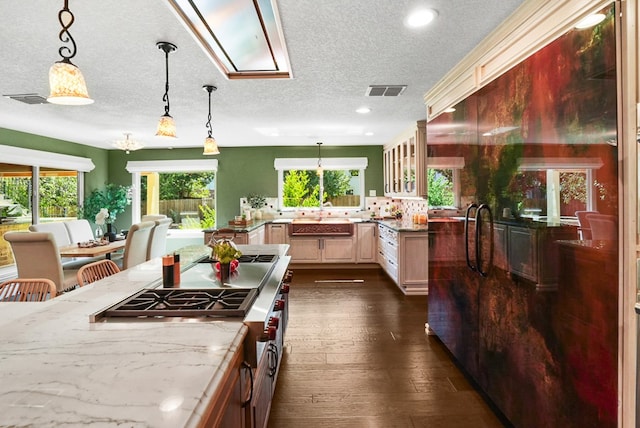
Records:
x=65, y=79
x=128, y=145
x=166, y=125
x=210, y=145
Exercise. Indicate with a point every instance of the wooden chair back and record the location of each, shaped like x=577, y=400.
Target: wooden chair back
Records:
x=95, y=271
x=27, y=290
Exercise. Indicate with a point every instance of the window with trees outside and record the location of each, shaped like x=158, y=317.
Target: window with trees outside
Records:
x=188, y=198
x=37, y=187
x=443, y=181
x=183, y=190
x=338, y=184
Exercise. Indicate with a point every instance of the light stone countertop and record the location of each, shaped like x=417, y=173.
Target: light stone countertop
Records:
x=57, y=369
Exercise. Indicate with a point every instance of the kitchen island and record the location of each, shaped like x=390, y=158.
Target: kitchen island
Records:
x=58, y=369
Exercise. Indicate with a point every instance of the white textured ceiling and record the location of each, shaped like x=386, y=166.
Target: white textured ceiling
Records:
x=337, y=48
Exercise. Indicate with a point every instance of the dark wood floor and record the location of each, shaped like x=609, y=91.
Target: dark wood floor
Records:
x=356, y=355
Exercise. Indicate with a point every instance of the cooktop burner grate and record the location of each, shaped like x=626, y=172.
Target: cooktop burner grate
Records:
x=166, y=302
x=250, y=258
x=257, y=258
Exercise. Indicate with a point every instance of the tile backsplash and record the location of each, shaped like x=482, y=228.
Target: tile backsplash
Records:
x=379, y=205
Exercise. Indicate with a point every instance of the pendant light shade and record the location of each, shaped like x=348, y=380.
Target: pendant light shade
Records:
x=210, y=144
x=65, y=79
x=166, y=124
x=166, y=127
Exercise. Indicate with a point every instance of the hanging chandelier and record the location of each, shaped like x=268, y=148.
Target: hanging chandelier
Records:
x=65, y=79
x=210, y=145
x=128, y=145
x=166, y=125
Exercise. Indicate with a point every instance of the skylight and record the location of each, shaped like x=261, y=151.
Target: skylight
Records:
x=242, y=37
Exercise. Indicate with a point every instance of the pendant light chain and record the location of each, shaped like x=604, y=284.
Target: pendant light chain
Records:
x=65, y=35
x=209, y=128
x=165, y=98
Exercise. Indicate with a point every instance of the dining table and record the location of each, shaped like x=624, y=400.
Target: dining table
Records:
x=77, y=250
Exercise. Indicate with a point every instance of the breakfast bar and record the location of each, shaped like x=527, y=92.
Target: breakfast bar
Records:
x=58, y=368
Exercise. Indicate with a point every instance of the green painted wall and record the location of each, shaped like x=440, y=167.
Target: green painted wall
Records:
x=244, y=170
x=95, y=178
x=241, y=170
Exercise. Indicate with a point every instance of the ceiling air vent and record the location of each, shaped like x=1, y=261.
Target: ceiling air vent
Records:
x=28, y=98
x=385, y=90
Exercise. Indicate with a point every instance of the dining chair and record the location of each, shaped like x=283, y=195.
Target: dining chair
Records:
x=92, y=272
x=153, y=217
x=79, y=230
x=603, y=227
x=36, y=256
x=57, y=228
x=27, y=290
x=135, y=249
x=158, y=238
x=585, y=228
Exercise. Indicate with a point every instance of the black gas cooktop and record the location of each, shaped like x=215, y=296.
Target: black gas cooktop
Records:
x=167, y=302
x=249, y=258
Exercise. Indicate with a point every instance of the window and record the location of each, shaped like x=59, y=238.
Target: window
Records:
x=301, y=183
x=182, y=190
x=558, y=187
x=36, y=186
x=188, y=198
x=443, y=181
x=58, y=195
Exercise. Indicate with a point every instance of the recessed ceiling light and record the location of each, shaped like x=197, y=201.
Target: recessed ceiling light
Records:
x=368, y=134
x=420, y=17
x=363, y=110
x=590, y=21
x=449, y=110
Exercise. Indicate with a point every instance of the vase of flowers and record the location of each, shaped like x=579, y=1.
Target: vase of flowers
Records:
x=225, y=252
x=101, y=219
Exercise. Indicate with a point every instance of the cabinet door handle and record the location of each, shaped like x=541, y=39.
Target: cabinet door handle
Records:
x=247, y=366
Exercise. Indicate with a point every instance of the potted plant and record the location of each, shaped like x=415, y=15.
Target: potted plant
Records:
x=103, y=206
x=256, y=202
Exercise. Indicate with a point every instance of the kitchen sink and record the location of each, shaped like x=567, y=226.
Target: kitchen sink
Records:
x=321, y=220
x=321, y=226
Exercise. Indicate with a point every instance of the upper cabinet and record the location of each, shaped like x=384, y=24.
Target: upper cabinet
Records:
x=404, y=163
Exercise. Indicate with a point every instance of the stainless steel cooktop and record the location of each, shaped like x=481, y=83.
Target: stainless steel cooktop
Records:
x=252, y=271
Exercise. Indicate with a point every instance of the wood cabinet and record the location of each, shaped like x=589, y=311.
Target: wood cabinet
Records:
x=405, y=163
x=388, y=251
x=227, y=406
x=322, y=249
x=264, y=386
x=276, y=233
x=366, y=242
x=255, y=236
x=404, y=257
